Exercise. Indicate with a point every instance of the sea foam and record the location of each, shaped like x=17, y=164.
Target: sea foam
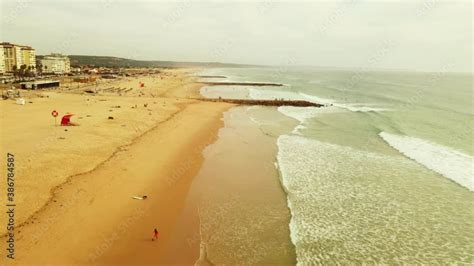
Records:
x=353, y=107
x=351, y=206
x=299, y=113
x=267, y=94
x=455, y=165
x=326, y=204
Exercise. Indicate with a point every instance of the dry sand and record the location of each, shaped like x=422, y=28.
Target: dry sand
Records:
x=73, y=188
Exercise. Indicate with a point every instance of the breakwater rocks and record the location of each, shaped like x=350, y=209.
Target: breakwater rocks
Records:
x=229, y=83
x=276, y=102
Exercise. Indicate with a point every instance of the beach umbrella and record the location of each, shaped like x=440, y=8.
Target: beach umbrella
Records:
x=66, y=120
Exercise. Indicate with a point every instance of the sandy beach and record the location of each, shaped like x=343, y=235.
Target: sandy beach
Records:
x=209, y=133
x=74, y=185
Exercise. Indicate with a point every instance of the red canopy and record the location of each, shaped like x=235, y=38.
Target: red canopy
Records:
x=66, y=120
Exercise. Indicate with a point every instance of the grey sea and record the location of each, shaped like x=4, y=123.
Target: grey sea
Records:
x=383, y=173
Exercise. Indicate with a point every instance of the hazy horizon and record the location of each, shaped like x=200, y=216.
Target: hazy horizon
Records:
x=418, y=35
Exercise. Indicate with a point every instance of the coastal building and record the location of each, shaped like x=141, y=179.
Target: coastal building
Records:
x=56, y=63
x=2, y=61
x=18, y=56
x=15, y=55
x=28, y=56
x=40, y=84
x=76, y=70
x=9, y=56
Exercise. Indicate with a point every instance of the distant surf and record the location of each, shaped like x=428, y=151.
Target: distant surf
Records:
x=455, y=165
x=268, y=94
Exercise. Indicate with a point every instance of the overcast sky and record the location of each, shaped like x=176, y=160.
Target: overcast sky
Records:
x=425, y=35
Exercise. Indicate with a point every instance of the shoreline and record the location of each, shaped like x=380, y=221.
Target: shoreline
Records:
x=67, y=200
x=236, y=210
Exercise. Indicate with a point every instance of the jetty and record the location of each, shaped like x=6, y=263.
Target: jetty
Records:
x=213, y=77
x=276, y=102
x=232, y=83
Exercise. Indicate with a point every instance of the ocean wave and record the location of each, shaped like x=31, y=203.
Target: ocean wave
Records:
x=344, y=202
x=316, y=99
x=303, y=114
x=259, y=94
x=353, y=107
x=361, y=108
x=452, y=164
x=318, y=178
x=298, y=113
x=297, y=130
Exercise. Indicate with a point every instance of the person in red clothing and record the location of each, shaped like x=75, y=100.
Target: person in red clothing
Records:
x=155, y=234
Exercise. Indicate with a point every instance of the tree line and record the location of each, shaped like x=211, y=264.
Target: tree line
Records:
x=25, y=71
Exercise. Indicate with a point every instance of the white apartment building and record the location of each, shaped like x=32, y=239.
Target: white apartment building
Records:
x=13, y=55
x=18, y=56
x=56, y=63
x=2, y=60
x=28, y=56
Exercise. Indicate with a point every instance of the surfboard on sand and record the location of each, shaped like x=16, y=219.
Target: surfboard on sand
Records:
x=140, y=197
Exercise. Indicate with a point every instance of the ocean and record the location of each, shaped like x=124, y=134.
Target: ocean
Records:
x=383, y=173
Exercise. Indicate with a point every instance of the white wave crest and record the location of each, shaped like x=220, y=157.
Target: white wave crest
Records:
x=455, y=165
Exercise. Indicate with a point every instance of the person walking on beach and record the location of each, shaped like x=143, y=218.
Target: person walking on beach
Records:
x=155, y=235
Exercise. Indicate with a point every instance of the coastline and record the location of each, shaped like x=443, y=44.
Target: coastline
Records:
x=89, y=205
x=236, y=210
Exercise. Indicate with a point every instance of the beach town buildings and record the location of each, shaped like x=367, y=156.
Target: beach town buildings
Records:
x=2, y=60
x=9, y=56
x=28, y=56
x=16, y=55
x=56, y=63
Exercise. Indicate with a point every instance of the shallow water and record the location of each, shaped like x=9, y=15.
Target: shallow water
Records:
x=237, y=199
x=384, y=174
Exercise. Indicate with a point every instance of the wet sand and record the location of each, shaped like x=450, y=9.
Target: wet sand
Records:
x=236, y=211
